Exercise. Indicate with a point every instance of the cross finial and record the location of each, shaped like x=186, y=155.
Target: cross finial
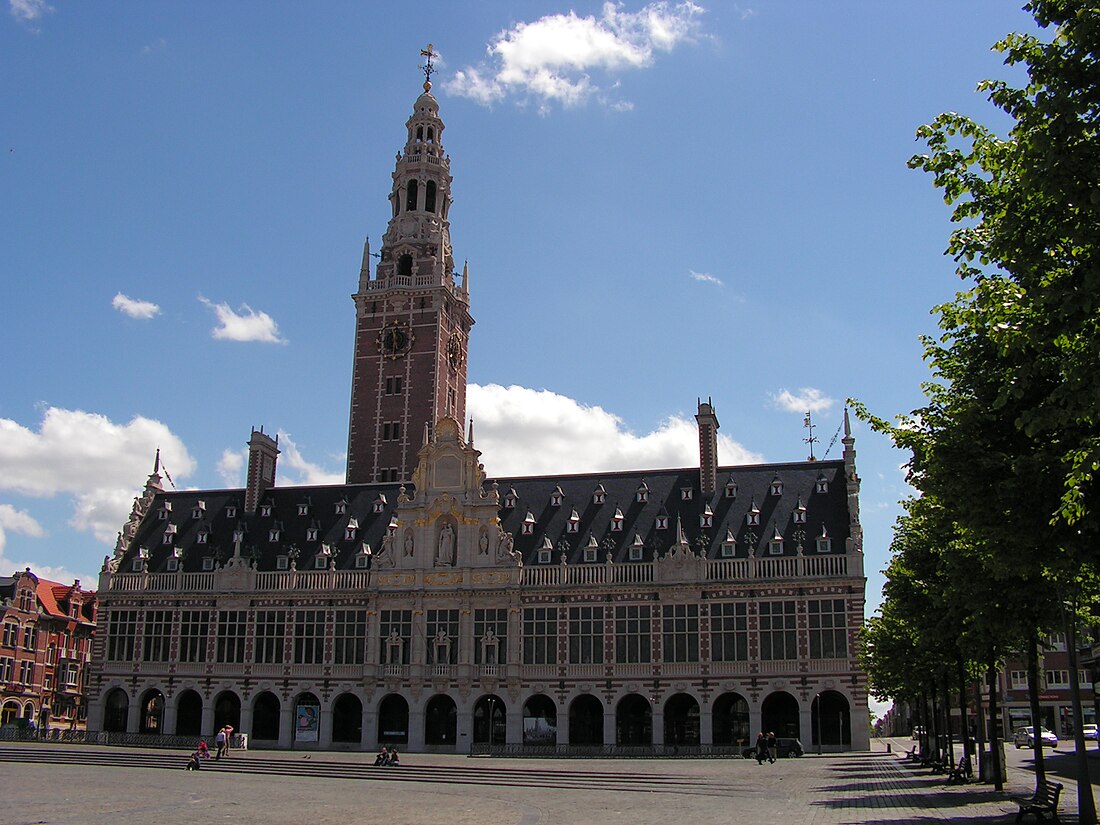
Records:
x=428, y=68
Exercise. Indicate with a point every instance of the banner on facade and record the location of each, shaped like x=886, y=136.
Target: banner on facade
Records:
x=307, y=723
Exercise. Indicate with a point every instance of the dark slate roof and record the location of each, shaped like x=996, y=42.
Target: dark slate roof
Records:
x=533, y=495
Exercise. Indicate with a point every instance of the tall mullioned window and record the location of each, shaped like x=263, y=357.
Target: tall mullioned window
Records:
x=540, y=635
x=270, y=637
x=349, y=637
x=122, y=635
x=309, y=637
x=729, y=632
x=633, y=634
x=828, y=625
x=194, y=629
x=158, y=635
x=586, y=635
x=232, y=629
x=441, y=629
x=495, y=620
x=395, y=630
x=778, y=631
x=680, y=632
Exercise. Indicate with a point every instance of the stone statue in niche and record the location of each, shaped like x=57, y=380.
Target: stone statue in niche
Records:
x=408, y=544
x=483, y=544
x=445, y=552
x=504, y=549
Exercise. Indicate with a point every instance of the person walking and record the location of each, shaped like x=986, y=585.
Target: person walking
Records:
x=761, y=748
x=773, y=746
x=220, y=743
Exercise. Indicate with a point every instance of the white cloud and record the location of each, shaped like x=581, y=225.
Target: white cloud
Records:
x=704, y=277
x=807, y=399
x=27, y=10
x=17, y=521
x=302, y=471
x=231, y=466
x=551, y=58
x=135, y=308
x=245, y=325
x=523, y=431
x=101, y=464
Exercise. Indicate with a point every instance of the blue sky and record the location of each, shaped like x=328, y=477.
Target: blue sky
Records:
x=658, y=203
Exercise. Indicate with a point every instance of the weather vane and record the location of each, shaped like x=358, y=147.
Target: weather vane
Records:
x=808, y=423
x=427, y=68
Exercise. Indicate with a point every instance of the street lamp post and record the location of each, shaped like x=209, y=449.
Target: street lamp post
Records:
x=817, y=706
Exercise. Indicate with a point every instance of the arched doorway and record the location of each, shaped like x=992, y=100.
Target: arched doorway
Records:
x=730, y=720
x=393, y=720
x=490, y=721
x=307, y=719
x=152, y=712
x=440, y=721
x=227, y=711
x=540, y=721
x=681, y=720
x=347, y=719
x=189, y=714
x=779, y=714
x=115, y=711
x=586, y=721
x=831, y=721
x=265, y=717
x=10, y=713
x=633, y=721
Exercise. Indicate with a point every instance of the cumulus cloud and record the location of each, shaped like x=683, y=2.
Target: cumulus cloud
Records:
x=552, y=58
x=143, y=310
x=100, y=463
x=231, y=467
x=807, y=399
x=523, y=431
x=704, y=277
x=246, y=324
x=27, y=11
x=302, y=471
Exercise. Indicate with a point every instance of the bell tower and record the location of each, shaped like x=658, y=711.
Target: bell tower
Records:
x=412, y=319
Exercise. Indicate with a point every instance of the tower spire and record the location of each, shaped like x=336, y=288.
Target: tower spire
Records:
x=428, y=68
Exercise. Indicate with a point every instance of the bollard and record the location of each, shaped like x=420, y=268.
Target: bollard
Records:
x=889, y=747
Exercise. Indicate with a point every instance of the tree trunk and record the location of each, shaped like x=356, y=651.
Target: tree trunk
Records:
x=935, y=726
x=979, y=724
x=964, y=726
x=947, y=724
x=1036, y=713
x=994, y=729
x=1086, y=805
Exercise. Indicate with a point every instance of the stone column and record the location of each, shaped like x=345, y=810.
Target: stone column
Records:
x=133, y=716
x=286, y=724
x=513, y=725
x=208, y=719
x=563, y=725
x=657, y=722
x=324, y=735
x=370, y=728
x=246, y=718
x=806, y=725
x=416, y=727
x=168, y=723
x=464, y=728
x=706, y=725
x=609, y=725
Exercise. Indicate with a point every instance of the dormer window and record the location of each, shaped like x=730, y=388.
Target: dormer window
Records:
x=544, y=556
x=729, y=546
x=231, y=511
x=273, y=534
x=599, y=495
x=172, y=565
x=800, y=512
x=617, y=521
x=590, y=549
x=686, y=493
x=822, y=485
x=574, y=523
x=752, y=517
x=169, y=536
x=363, y=557
x=775, y=547
x=823, y=542
x=265, y=511
x=636, y=548
x=202, y=536
x=207, y=563
x=776, y=487
x=198, y=510
x=393, y=525
x=165, y=511
x=321, y=562
x=380, y=503
x=528, y=524
x=706, y=518
x=311, y=534
x=641, y=495
x=510, y=498
x=556, y=496
x=731, y=489
x=282, y=562
x=341, y=507
x=662, y=522
x=238, y=534
x=546, y=551
x=350, y=530
x=138, y=565
x=303, y=508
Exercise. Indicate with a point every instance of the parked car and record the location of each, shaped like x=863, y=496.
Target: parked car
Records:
x=1090, y=731
x=785, y=746
x=918, y=732
x=1025, y=737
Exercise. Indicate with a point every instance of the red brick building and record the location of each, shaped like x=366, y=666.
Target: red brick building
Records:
x=45, y=641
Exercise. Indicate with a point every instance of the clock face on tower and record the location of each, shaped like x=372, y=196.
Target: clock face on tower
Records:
x=394, y=340
x=455, y=355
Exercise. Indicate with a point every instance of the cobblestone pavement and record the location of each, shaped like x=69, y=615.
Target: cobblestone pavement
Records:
x=322, y=788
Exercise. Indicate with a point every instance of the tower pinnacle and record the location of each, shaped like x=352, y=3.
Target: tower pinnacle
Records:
x=428, y=68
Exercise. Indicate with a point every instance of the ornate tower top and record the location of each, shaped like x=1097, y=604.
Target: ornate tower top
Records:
x=428, y=68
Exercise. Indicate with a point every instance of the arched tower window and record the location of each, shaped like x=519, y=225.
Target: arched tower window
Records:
x=420, y=134
x=405, y=266
x=429, y=196
x=410, y=196
x=431, y=135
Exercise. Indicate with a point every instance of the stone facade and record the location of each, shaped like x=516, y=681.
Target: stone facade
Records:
x=432, y=608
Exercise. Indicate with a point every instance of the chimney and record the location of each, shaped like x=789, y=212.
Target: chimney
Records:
x=263, y=451
x=708, y=448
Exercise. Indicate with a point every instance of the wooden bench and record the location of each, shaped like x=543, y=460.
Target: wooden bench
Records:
x=961, y=772
x=1045, y=801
